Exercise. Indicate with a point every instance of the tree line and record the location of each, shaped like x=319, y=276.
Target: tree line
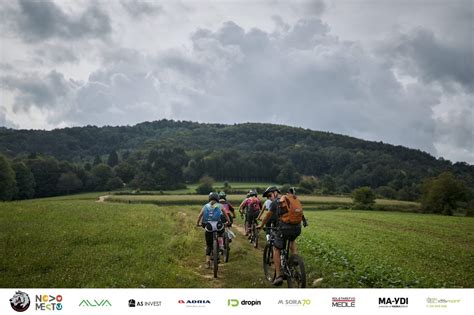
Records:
x=164, y=155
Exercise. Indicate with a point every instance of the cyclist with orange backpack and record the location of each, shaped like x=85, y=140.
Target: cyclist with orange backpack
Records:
x=288, y=212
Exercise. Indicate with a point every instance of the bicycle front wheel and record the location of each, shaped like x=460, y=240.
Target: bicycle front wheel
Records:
x=297, y=277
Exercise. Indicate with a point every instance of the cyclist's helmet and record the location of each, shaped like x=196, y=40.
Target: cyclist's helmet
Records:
x=222, y=195
x=270, y=189
x=214, y=196
x=252, y=193
x=292, y=190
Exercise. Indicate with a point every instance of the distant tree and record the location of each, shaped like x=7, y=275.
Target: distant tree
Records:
x=114, y=183
x=442, y=194
x=88, y=167
x=363, y=198
x=288, y=174
x=143, y=181
x=308, y=184
x=205, y=185
x=69, y=182
x=97, y=160
x=328, y=185
x=46, y=172
x=25, y=181
x=8, y=187
x=387, y=192
x=113, y=159
x=125, y=171
x=103, y=173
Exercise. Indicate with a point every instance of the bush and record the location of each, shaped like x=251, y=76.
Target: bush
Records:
x=363, y=198
x=205, y=185
x=442, y=194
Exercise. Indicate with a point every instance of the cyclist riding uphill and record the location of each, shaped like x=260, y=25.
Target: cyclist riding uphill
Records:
x=288, y=212
x=270, y=222
x=227, y=207
x=252, y=206
x=212, y=211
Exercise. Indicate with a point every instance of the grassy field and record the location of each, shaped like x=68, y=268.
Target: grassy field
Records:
x=75, y=241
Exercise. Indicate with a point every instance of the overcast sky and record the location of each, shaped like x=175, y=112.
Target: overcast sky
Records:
x=401, y=72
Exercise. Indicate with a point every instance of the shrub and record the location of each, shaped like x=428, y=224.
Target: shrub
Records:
x=363, y=198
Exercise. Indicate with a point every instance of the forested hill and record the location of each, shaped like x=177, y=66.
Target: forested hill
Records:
x=248, y=151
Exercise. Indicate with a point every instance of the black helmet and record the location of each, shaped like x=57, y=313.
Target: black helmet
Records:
x=292, y=190
x=213, y=195
x=222, y=195
x=252, y=193
x=270, y=189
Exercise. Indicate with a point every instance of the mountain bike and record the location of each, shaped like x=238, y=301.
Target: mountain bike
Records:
x=215, y=227
x=228, y=236
x=254, y=233
x=292, y=267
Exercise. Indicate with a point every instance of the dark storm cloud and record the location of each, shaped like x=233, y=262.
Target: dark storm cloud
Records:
x=139, y=8
x=42, y=20
x=422, y=55
x=48, y=91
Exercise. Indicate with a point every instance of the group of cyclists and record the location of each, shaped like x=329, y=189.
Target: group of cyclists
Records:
x=280, y=215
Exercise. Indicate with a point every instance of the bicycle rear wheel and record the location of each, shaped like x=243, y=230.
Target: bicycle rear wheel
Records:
x=268, y=264
x=226, y=247
x=254, y=235
x=215, y=249
x=297, y=278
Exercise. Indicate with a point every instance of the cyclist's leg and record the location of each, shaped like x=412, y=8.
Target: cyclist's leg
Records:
x=278, y=245
x=209, y=239
x=293, y=233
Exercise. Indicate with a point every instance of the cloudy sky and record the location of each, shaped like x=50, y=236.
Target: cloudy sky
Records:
x=401, y=72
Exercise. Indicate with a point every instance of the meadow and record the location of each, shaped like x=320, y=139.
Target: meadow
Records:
x=152, y=242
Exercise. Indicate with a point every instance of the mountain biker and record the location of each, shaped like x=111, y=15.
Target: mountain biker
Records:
x=251, y=206
x=286, y=232
x=227, y=207
x=263, y=213
x=212, y=211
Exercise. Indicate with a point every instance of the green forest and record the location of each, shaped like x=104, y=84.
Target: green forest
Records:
x=167, y=154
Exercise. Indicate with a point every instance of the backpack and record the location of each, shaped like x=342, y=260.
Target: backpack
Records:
x=225, y=208
x=291, y=210
x=253, y=205
x=211, y=213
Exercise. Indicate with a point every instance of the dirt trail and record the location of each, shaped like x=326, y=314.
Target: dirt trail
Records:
x=102, y=198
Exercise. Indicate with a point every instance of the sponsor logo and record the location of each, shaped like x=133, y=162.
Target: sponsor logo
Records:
x=134, y=303
x=194, y=303
x=393, y=302
x=440, y=303
x=95, y=303
x=295, y=302
x=343, y=301
x=235, y=302
x=20, y=301
x=48, y=302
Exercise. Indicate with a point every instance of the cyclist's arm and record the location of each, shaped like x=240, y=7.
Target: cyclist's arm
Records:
x=267, y=216
x=243, y=204
x=200, y=217
x=261, y=212
x=231, y=209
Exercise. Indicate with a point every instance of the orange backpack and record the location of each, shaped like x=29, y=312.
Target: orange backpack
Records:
x=291, y=210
